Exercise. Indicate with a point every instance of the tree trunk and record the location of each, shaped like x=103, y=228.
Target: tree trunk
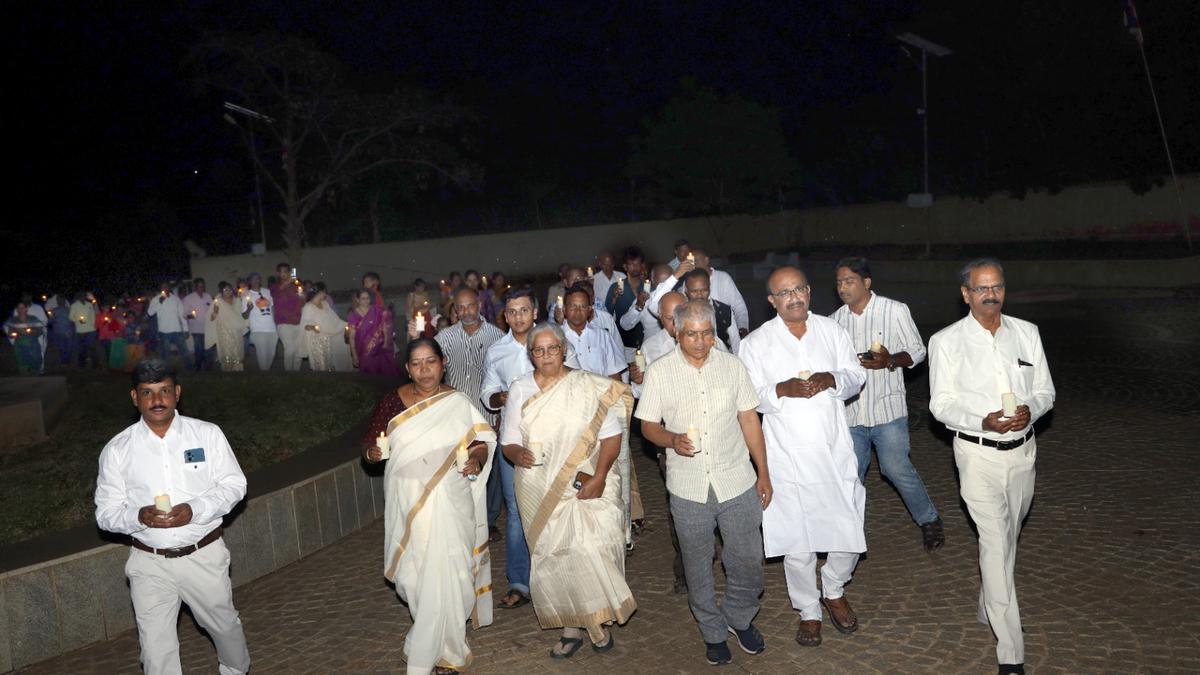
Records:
x=373, y=214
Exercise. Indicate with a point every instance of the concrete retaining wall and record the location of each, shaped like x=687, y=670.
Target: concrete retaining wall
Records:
x=63, y=604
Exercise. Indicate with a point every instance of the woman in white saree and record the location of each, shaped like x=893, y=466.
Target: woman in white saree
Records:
x=225, y=329
x=435, y=519
x=563, y=430
x=326, y=342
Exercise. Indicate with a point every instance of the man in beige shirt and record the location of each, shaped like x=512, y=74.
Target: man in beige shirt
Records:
x=700, y=402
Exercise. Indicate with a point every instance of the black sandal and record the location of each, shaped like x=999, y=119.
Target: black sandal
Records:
x=569, y=647
x=521, y=601
x=600, y=649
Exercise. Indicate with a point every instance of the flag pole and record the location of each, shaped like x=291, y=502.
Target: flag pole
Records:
x=1187, y=230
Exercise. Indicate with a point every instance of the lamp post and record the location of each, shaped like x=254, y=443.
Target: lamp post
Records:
x=252, y=115
x=926, y=47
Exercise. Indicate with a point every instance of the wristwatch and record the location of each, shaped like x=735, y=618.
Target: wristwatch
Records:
x=891, y=366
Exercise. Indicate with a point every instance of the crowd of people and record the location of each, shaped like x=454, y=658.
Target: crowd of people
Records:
x=764, y=438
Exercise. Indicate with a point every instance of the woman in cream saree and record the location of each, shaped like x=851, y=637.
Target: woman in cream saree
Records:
x=561, y=423
x=435, y=518
x=325, y=341
x=225, y=327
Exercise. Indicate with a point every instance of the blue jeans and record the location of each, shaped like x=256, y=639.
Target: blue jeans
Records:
x=200, y=355
x=516, y=551
x=180, y=342
x=495, y=496
x=892, y=448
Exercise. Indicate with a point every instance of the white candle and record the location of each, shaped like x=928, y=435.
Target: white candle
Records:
x=694, y=436
x=804, y=374
x=461, y=456
x=162, y=503
x=535, y=448
x=646, y=286
x=384, y=447
x=691, y=257
x=877, y=346
x=317, y=328
x=420, y=322
x=639, y=359
x=560, y=302
x=1008, y=402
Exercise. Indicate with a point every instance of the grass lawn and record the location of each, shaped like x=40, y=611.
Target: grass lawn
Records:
x=266, y=417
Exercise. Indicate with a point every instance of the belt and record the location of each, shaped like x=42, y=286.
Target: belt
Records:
x=999, y=445
x=180, y=551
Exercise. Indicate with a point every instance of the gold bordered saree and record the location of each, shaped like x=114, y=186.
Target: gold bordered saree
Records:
x=436, y=535
x=577, y=547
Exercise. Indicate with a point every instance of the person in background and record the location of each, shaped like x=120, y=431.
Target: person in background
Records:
x=723, y=289
x=372, y=336
x=418, y=300
x=372, y=282
x=110, y=330
x=62, y=329
x=287, y=296
x=226, y=326
x=682, y=248
x=557, y=288
x=604, y=279
x=326, y=338
x=195, y=307
x=23, y=331
x=83, y=316
x=41, y=314
x=167, y=308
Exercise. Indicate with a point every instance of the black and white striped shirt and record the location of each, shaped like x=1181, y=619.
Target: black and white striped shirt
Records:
x=464, y=359
x=890, y=323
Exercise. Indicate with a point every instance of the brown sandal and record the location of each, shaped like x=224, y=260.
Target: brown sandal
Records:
x=507, y=602
x=809, y=633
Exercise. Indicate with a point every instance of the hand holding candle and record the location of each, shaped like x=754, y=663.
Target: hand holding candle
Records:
x=877, y=346
x=804, y=374
x=646, y=286
x=639, y=359
x=1008, y=403
x=420, y=323
x=535, y=449
x=694, y=437
x=162, y=503
x=385, y=448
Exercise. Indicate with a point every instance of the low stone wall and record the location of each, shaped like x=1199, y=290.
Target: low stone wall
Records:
x=63, y=604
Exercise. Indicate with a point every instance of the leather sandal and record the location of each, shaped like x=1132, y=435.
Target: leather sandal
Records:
x=808, y=634
x=508, y=603
x=568, y=647
x=841, y=615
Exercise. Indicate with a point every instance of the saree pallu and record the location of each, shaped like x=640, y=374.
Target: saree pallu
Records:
x=374, y=341
x=327, y=350
x=435, y=528
x=225, y=333
x=576, y=546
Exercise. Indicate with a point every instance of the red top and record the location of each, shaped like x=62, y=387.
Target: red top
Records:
x=108, y=325
x=289, y=302
x=388, y=407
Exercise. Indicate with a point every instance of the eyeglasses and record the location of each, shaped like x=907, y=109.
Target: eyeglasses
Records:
x=980, y=290
x=552, y=350
x=693, y=334
x=790, y=292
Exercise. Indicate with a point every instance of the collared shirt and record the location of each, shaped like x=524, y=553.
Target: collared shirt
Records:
x=168, y=310
x=288, y=302
x=83, y=316
x=723, y=288
x=465, y=355
x=196, y=307
x=193, y=463
x=888, y=322
x=709, y=398
x=506, y=362
x=599, y=351
x=622, y=296
x=601, y=283
x=261, y=319
x=634, y=316
x=969, y=370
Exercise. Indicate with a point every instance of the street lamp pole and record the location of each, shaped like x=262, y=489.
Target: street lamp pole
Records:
x=252, y=115
x=926, y=47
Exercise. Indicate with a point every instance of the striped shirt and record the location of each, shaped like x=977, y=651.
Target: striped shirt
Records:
x=464, y=359
x=890, y=323
x=709, y=398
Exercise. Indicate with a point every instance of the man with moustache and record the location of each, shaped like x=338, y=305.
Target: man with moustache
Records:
x=196, y=307
x=178, y=554
x=973, y=364
x=604, y=280
x=804, y=369
x=887, y=341
x=287, y=301
x=723, y=289
x=623, y=294
x=696, y=287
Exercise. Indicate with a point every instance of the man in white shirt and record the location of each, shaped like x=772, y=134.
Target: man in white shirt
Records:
x=989, y=383
x=696, y=287
x=167, y=308
x=682, y=248
x=264, y=332
x=886, y=341
x=598, y=350
x=167, y=481
x=195, y=306
x=606, y=277
x=723, y=289
x=700, y=402
x=804, y=369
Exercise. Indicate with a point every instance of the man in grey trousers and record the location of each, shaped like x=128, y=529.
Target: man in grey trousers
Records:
x=699, y=404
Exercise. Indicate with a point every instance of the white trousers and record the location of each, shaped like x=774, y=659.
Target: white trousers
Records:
x=157, y=585
x=800, y=570
x=290, y=335
x=264, y=348
x=997, y=487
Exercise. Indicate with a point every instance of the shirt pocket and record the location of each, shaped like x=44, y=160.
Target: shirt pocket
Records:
x=195, y=477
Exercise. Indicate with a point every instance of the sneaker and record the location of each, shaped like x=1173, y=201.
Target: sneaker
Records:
x=933, y=536
x=750, y=640
x=717, y=653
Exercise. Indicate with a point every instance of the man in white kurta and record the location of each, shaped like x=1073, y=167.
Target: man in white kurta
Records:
x=804, y=368
x=973, y=363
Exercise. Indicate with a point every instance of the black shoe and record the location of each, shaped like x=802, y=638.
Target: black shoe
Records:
x=932, y=535
x=717, y=653
x=1012, y=669
x=750, y=640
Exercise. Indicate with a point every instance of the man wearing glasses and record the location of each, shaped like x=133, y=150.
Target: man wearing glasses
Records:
x=804, y=368
x=988, y=383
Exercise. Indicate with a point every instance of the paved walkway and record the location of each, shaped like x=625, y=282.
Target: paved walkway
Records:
x=1108, y=574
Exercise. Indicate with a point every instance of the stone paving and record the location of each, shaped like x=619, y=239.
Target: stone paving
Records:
x=1108, y=573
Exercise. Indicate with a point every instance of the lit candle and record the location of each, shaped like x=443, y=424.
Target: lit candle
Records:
x=483, y=279
x=691, y=257
x=560, y=302
x=193, y=313
x=639, y=359
x=317, y=328
x=385, y=448
x=162, y=503
x=590, y=272
x=420, y=322
x=694, y=436
x=82, y=319
x=646, y=286
x=14, y=334
x=804, y=374
x=877, y=346
x=44, y=298
x=1008, y=402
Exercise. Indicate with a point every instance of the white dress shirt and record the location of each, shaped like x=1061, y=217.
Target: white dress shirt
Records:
x=601, y=283
x=722, y=287
x=709, y=398
x=193, y=463
x=262, y=319
x=889, y=322
x=506, y=362
x=633, y=316
x=969, y=369
x=169, y=310
x=598, y=351
x=819, y=503
x=196, y=307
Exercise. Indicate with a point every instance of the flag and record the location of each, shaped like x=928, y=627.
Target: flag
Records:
x=1131, y=21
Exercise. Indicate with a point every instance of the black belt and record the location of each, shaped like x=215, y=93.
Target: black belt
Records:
x=180, y=551
x=999, y=445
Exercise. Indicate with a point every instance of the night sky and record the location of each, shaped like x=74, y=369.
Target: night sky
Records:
x=117, y=156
